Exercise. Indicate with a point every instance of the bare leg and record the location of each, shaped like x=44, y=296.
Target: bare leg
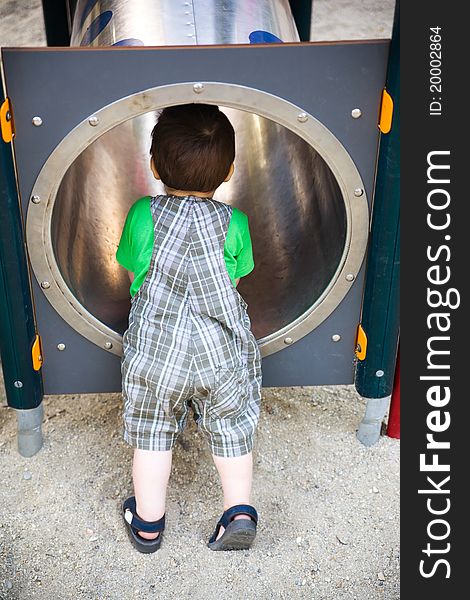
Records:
x=236, y=475
x=150, y=473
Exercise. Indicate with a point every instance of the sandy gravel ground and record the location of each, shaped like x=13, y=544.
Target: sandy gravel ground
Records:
x=329, y=507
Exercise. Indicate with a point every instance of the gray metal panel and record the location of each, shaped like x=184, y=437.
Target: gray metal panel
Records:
x=316, y=359
x=66, y=86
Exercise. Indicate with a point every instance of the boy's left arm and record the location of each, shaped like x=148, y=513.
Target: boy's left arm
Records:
x=124, y=254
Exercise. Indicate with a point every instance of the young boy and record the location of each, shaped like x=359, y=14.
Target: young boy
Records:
x=189, y=343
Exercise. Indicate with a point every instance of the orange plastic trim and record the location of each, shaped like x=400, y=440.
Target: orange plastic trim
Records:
x=386, y=112
x=6, y=122
x=36, y=352
x=361, y=343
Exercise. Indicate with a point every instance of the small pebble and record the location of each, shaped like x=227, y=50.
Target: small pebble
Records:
x=381, y=576
x=7, y=584
x=299, y=540
x=94, y=539
x=27, y=475
x=375, y=490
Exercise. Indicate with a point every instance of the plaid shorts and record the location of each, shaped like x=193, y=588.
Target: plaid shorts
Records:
x=189, y=344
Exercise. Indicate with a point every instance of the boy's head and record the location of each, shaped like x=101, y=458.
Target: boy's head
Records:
x=193, y=147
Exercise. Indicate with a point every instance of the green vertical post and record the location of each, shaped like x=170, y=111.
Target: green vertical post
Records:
x=57, y=21
x=23, y=384
x=380, y=313
x=302, y=12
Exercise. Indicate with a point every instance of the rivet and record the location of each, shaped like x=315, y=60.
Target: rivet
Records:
x=288, y=340
x=108, y=345
x=358, y=192
x=18, y=384
x=8, y=116
x=37, y=121
x=198, y=88
x=350, y=277
x=379, y=373
x=35, y=199
x=93, y=121
x=336, y=337
x=302, y=117
x=356, y=113
x=45, y=285
x=61, y=346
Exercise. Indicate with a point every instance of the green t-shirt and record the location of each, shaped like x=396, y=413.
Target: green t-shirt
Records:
x=135, y=248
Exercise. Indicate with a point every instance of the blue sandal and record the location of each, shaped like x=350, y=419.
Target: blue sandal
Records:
x=134, y=524
x=239, y=534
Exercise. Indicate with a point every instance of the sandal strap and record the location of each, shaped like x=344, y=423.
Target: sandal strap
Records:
x=238, y=509
x=138, y=524
x=230, y=514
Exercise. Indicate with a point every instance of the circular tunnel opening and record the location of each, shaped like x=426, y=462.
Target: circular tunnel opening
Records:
x=296, y=209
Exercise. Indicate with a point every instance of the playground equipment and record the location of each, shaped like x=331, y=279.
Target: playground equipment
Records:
x=306, y=119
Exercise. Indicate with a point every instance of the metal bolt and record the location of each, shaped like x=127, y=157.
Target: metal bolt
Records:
x=379, y=373
x=336, y=337
x=18, y=384
x=198, y=88
x=45, y=285
x=302, y=117
x=61, y=346
x=356, y=113
x=35, y=199
x=37, y=121
x=8, y=116
x=288, y=340
x=350, y=277
x=108, y=345
x=358, y=192
x=93, y=121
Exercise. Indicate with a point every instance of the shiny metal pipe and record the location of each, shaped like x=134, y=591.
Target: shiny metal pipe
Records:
x=295, y=206
x=177, y=22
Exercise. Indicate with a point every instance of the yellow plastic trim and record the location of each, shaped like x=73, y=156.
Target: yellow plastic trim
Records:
x=36, y=352
x=6, y=122
x=361, y=343
x=386, y=112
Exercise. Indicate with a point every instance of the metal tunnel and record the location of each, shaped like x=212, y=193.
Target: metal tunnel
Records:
x=296, y=208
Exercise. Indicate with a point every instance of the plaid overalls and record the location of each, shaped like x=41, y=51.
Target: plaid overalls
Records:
x=189, y=341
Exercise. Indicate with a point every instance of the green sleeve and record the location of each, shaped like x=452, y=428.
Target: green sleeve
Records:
x=132, y=240
x=244, y=257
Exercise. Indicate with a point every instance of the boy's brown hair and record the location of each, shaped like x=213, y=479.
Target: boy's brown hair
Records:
x=193, y=147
